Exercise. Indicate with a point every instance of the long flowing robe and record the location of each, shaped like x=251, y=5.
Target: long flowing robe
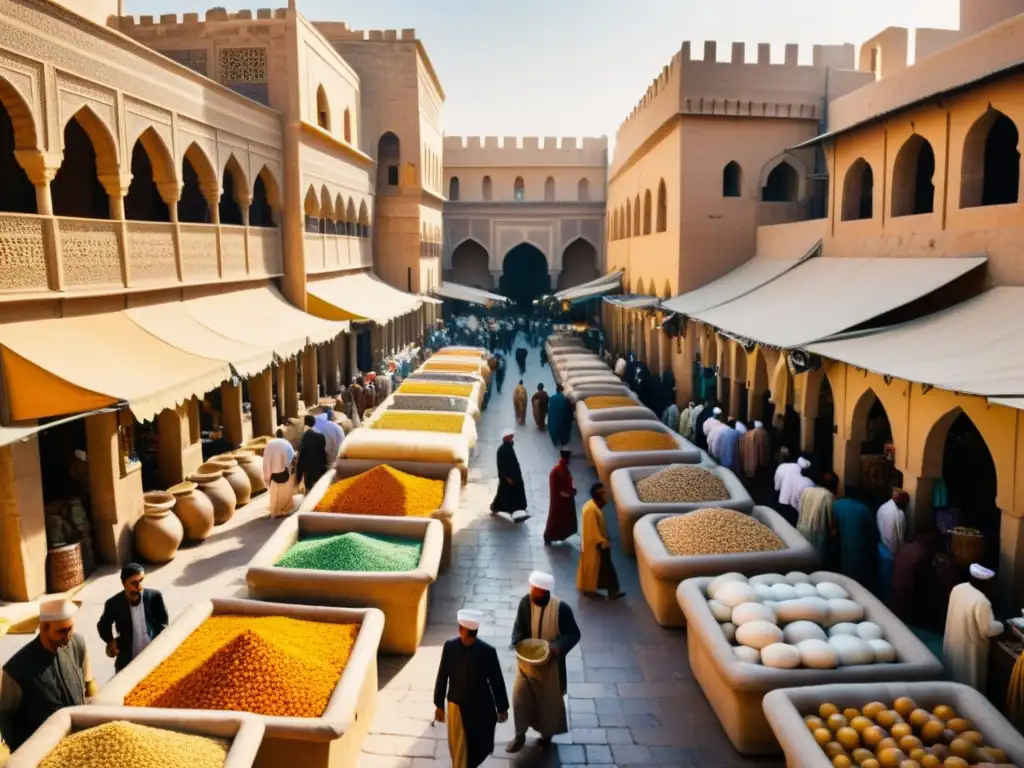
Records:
x=540, y=704
x=686, y=422
x=540, y=401
x=562, y=507
x=754, y=450
x=559, y=419
x=521, y=354
x=816, y=523
x=698, y=427
x=969, y=625
x=857, y=535
x=519, y=403
x=499, y=374
x=593, y=538
x=714, y=429
x=728, y=444
x=469, y=677
x=511, y=494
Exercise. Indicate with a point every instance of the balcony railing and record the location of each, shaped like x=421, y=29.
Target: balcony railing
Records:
x=327, y=253
x=44, y=254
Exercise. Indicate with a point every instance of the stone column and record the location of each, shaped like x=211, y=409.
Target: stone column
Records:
x=291, y=388
x=341, y=358
x=310, y=376
x=353, y=360
x=244, y=200
x=280, y=382
x=212, y=195
x=116, y=495
x=376, y=345
x=116, y=186
x=41, y=167
x=22, y=522
x=231, y=411
x=174, y=438
x=170, y=193
x=331, y=374
x=261, y=391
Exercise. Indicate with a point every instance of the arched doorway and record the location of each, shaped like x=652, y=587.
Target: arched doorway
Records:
x=470, y=265
x=579, y=264
x=525, y=276
x=17, y=195
x=193, y=207
x=143, y=201
x=823, y=427
x=76, y=189
x=870, y=466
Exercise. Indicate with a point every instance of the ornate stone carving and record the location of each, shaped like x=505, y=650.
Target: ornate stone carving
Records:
x=90, y=252
x=243, y=65
x=232, y=250
x=22, y=258
x=151, y=246
x=195, y=59
x=150, y=111
x=198, y=252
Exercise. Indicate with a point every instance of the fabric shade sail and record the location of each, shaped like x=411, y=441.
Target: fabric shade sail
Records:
x=745, y=278
x=361, y=296
x=468, y=293
x=592, y=289
x=975, y=347
x=826, y=296
x=633, y=301
x=65, y=365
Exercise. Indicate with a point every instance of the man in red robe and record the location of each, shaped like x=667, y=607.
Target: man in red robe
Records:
x=562, y=508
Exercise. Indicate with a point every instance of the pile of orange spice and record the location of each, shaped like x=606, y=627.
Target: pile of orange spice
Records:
x=450, y=423
x=641, y=440
x=384, y=490
x=267, y=665
x=597, y=402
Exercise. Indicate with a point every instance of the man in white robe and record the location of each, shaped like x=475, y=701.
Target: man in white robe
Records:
x=333, y=437
x=278, y=458
x=970, y=624
x=740, y=427
x=891, y=519
x=686, y=418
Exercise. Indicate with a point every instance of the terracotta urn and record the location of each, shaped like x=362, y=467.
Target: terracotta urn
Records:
x=257, y=444
x=210, y=479
x=252, y=465
x=193, y=508
x=158, y=533
x=236, y=476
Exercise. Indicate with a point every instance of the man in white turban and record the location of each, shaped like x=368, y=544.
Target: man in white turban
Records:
x=50, y=673
x=970, y=624
x=538, y=692
x=790, y=481
x=469, y=678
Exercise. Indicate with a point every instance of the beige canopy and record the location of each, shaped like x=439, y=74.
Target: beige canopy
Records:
x=361, y=296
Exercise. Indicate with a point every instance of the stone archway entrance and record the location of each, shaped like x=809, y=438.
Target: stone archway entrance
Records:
x=469, y=266
x=579, y=264
x=525, y=276
x=868, y=468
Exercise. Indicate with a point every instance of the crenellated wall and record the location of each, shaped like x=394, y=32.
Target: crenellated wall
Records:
x=523, y=151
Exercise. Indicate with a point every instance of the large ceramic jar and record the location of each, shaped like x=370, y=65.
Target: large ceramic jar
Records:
x=236, y=476
x=158, y=533
x=194, y=509
x=258, y=444
x=210, y=479
x=252, y=465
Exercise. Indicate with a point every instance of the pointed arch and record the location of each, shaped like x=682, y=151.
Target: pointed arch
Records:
x=22, y=119
x=103, y=142
x=266, y=200
x=17, y=195
x=350, y=211
x=323, y=109
x=143, y=201
x=991, y=162
x=199, y=186
x=647, y=213
x=583, y=190
x=328, y=216
x=637, y=216
x=159, y=156
x=201, y=166
x=549, y=188
x=519, y=189
x=234, y=192
x=913, y=185
x=89, y=154
x=782, y=184
x=311, y=207
x=629, y=218
x=661, y=223
x=453, y=188
x=364, y=220
x=486, y=188
x=858, y=191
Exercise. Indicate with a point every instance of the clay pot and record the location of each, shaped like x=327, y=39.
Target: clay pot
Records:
x=194, y=509
x=158, y=533
x=236, y=476
x=258, y=444
x=252, y=465
x=210, y=479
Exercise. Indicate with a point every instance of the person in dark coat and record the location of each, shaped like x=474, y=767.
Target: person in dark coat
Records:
x=499, y=372
x=543, y=355
x=469, y=678
x=521, y=354
x=312, y=455
x=136, y=613
x=706, y=413
x=511, y=494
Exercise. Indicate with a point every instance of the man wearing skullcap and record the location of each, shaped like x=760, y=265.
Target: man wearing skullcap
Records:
x=538, y=700
x=469, y=678
x=891, y=520
x=511, y=494
x=50, y=673
x=136, y=613
x=970, y=624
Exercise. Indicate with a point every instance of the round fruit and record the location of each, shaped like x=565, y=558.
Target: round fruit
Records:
x=958, y=724
x=941, y=751
x=910, y=764
x=900, y=731
x=997, y=755
x=872, y=763
x=871, y=710
x=834, y=748
x=919, y=717
x=885, y=719
x=961, y=748
x=813, y=723
x=842, y=761
x=909, y=743
x=823, y=736
x=955, y=762
x=887, y=743
x=930, y=761
x=825, y=711
x=835, y=722
x=851, y=712
x=904, y=705
x=848, y=737
x=944, y=712
x=948, y=735
x=872, y=736
x=974, y=737
x=860, y=723
x=861, y=754
x=891, y=758
x=932, y=731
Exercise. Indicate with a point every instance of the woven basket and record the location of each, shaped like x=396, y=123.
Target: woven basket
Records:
x=64, y=568
x=532, y=656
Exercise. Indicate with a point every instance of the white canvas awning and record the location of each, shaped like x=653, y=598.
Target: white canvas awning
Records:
x=826, y=296
x=468, y=293
x=593, y=288
x=975, y=347
x=362, y=296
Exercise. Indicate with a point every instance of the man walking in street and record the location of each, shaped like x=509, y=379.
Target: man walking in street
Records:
x=469, y=678
x=511, y=494
x=562, y=505
x=559, y=418
x=312, y=455
x=596, y=570
x=539, y=401
x=538, y=701
x=137, y=614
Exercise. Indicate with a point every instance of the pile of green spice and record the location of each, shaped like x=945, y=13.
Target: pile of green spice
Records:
x=364, y=552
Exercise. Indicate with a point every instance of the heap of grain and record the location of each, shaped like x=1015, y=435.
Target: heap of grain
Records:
x=127, y=745
x=597, y=402
x=641, y=440
x=365, y=552
x=449, y=423
x=435, y=388
x=716, y=531
x=451, y=367
x=463, y=378
x=268, y=665
x=431, y=403
x=384, y=490
x=682, y=483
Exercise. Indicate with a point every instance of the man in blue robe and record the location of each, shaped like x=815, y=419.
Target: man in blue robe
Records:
x=559, y=418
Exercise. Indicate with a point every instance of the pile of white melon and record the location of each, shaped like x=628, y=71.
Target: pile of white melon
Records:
x=787, y=622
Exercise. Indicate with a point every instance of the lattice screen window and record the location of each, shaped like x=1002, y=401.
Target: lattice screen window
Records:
x=195, y=60
x=244, y=70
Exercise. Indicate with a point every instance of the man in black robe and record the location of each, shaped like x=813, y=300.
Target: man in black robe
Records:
x=521, y=354
x=469, y=676
x=511, y=495
x=312, y=455
x=698, y=427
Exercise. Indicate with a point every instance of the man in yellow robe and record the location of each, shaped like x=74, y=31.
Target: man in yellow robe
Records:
x=519, y=402
x=596, y=570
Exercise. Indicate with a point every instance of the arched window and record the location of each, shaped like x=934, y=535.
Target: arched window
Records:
x=732, y=179
x=583, y=190
x=323, y=109
x=350, y=217
x=389, y=158
x=193, y=206
x=913, y=188
x=486, y=190
x=143, y=201
x=234, y=188
x=613, y=227
x=858, y=192
x=662, y=218
x=348, y=125
x=990, y=173
x=265, y=200
x=364, y=220
x=629, y=218
x=519, y=189
x=311, y=207
x=637, y=216
x=453, y=188
x=647, y=212
x=76, y=189
x=328, y=225
x=549, y=188
x=782, y=185
x=17, y=131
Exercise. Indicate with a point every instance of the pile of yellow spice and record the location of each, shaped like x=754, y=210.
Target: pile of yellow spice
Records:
x=267, y=665
x=452, y=365
x=434, y=388
x=384, y=490
x=641, y=440
x=597, y=402
x=450, y=423
x=121, y=744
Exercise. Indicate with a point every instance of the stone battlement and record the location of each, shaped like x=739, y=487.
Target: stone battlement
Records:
x=212, y=15
x=525, y=150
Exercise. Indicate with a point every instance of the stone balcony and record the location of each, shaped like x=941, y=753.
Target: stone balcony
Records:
x=329, y=253
x=41, y=256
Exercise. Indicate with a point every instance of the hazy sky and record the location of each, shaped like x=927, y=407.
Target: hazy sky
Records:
x=577, y=67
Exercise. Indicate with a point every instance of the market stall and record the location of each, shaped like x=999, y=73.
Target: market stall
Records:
x=649, y=445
